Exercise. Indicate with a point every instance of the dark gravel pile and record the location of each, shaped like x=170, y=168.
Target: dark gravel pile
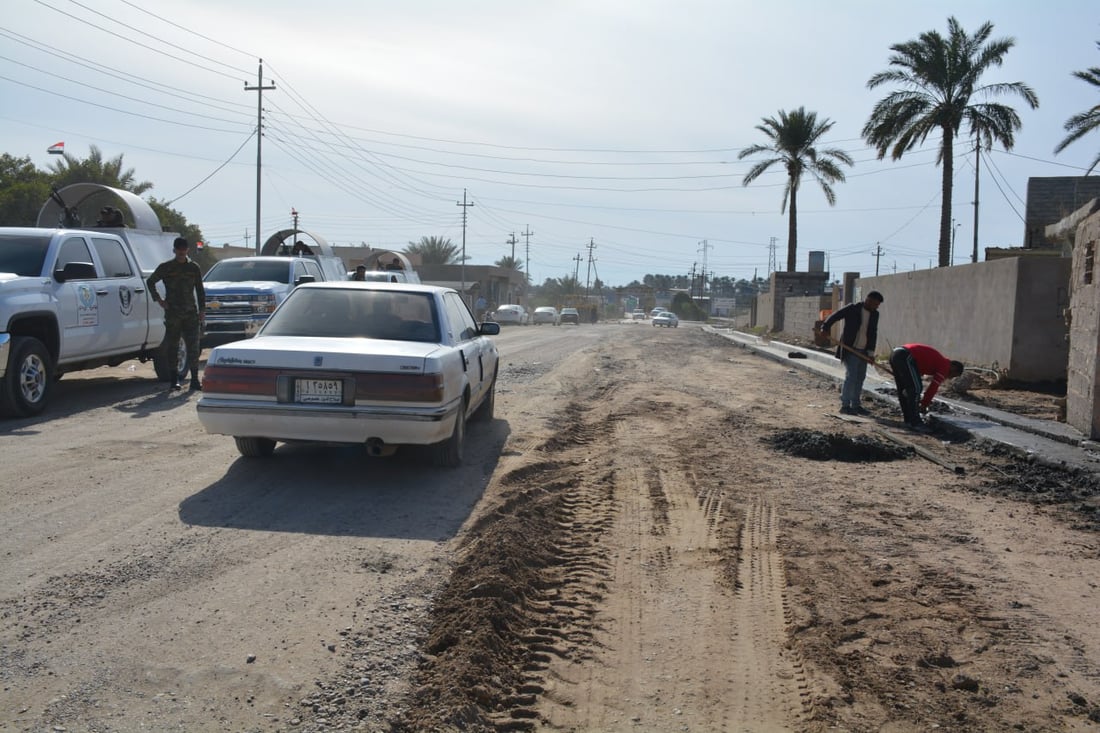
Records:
x=819, y=446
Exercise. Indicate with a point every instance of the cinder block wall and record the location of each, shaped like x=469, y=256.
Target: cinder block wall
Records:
x=1083, y=372
x=1004, y=313
x=771, y=309
x=803, y=312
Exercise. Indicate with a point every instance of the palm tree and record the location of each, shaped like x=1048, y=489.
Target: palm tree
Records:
x=94, y=169
x=434, y=251
x=509, y=262
x=1084, y=122
x=793, y=137
x=939, y=78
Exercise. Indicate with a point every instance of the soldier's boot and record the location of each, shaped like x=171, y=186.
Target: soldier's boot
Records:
x=196, y=385
x=176, y=381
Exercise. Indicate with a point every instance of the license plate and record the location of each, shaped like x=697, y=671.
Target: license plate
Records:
x=319, y=391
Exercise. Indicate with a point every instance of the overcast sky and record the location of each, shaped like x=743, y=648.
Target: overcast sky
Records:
x=610, y=122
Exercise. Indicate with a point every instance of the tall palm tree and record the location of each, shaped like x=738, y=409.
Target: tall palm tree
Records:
x=940, y=76
x=509, y=262
x=434, y=251
x=1084, y=122
x=96, y=169
x=793, y=137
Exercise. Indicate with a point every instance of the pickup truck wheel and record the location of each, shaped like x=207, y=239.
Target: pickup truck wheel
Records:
x=164, y=367
x=27, y=386
x=255, y=447
x=448, y=454
x=484, y=412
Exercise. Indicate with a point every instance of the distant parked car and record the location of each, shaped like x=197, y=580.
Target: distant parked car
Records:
x=659, y=309
x=667, y=319
x=511, y=314
x=570, y=315
x=638, y=315
x=546, y=314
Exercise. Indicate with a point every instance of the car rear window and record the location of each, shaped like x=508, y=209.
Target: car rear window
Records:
x=355, y=313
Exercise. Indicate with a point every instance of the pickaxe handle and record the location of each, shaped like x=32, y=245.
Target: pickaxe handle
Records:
x=865, y=358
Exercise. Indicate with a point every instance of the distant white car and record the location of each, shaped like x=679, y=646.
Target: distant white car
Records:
x=667, y=319
x=546, y=314
x=659, y=309
x=511, y=314
x=638, y=315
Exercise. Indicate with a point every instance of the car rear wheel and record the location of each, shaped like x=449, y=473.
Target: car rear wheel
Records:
x=27, y=386
x=255, y=447
x=448, y=454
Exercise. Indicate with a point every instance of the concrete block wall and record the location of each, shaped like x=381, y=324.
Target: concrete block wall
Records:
x=771, y=311
x=1004, y=313
x=803, y=312
x=1083, y=371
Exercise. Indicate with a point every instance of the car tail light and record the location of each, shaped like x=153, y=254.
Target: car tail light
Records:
x=239, y=380
x=399, y=387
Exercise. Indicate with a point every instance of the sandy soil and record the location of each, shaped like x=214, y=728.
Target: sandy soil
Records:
x=660, y=531
x=655, y=559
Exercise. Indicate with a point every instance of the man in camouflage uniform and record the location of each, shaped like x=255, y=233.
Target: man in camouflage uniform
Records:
x=184, y=305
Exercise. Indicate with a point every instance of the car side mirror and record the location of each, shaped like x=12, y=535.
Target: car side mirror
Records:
x=75, y=271
x=305, y=279
x=489, y=328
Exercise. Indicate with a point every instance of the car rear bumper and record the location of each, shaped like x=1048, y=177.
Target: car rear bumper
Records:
x=328, y=424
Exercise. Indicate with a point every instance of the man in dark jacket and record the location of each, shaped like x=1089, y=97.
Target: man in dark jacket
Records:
x=856, y=348
x=184, y=305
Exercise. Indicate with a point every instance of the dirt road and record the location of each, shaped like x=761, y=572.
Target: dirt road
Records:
x=638, y=542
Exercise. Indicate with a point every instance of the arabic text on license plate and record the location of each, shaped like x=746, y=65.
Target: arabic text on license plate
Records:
x=326, y=391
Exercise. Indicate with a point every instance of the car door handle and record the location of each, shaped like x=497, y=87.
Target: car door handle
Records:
x=139, y=290
x=101, y=292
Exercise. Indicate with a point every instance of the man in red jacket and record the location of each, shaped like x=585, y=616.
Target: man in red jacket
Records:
x=912, y=362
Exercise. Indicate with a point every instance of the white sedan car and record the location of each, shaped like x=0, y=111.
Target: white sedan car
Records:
x=374, y=364
x=667, y=319
x=511, y=314
x=546, y=314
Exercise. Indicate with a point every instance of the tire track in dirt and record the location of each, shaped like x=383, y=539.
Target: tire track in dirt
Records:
x=772, y=677
x=600, y=591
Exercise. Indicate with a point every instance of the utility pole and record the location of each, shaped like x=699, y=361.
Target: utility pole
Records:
x=954, y=230
x=588, y=277
x=246, y=237
x=704, y=246
x=878, y=256
x=576, y=271
x=294, y=213
x=977, y=163
x=771, y=256
x=464, y=206
x=693, y=264
x=259, y=89
x=527, y=257
x=512, y=241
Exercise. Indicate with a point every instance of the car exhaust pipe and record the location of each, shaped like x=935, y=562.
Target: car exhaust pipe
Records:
x=375, y=447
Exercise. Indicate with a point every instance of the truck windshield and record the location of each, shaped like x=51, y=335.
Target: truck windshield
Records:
x=24, y=254
x=242, y=270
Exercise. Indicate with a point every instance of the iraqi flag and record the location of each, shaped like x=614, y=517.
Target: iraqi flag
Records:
x=56, y=149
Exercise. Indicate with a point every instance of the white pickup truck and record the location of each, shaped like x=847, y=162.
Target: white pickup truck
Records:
x=75, y=297
x=241, y=292
x=70, y=299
